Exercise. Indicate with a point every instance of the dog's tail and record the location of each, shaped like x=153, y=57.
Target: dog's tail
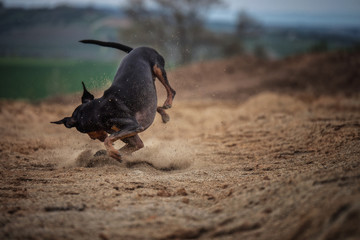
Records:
x=109, y=44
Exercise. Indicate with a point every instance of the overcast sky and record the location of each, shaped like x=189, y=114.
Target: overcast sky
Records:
x=303, y=11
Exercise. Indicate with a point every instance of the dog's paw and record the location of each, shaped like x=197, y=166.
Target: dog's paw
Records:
x=165, y=118
x=116, y=155
x=100, y=153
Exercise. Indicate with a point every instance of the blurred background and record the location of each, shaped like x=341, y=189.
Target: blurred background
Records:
x=40, y=55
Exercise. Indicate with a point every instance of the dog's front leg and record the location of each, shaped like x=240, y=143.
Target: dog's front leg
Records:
x=132, y=144
x=109, y=141
x=128, y=131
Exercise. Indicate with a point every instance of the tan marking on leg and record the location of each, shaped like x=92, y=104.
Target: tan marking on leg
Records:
x=134, y=143
x=115, y=128
x=170, y=92
x=110, y=148
x=100, y=135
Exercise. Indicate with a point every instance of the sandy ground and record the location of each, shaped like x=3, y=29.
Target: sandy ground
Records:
x=253, y=150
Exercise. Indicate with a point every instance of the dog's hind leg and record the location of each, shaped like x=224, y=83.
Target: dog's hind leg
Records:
x=160, y=73
x=164, y=116
x=133, y=144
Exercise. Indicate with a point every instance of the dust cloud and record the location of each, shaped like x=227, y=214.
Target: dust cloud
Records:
x=162, y=155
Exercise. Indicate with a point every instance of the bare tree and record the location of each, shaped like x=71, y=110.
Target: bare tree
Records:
x=247, y=26
x=170, y=25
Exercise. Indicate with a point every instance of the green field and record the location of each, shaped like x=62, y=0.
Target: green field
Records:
x=34, y=79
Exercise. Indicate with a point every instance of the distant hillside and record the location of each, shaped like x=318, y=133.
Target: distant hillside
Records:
x=18, y=18
x=54, y=33
x=238, y=78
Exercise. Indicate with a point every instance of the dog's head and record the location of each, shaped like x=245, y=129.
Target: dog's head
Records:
x=70, y=122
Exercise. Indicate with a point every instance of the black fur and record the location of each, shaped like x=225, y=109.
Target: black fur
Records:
x=130, y=103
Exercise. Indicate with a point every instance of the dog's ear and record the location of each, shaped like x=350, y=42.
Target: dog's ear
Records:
x=69, y=122
x=86, y=97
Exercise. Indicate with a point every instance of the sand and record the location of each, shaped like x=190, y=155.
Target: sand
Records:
x=246, y=155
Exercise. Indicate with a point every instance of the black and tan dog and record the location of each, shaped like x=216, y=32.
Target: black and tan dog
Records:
x=129, y=106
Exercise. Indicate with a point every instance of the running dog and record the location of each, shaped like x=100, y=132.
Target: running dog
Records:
x=129, y=106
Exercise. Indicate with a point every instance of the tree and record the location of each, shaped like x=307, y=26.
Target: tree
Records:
x=175, y=26
x=247, y=26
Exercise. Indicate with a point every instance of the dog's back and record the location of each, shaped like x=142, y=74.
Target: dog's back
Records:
x=134, y=84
